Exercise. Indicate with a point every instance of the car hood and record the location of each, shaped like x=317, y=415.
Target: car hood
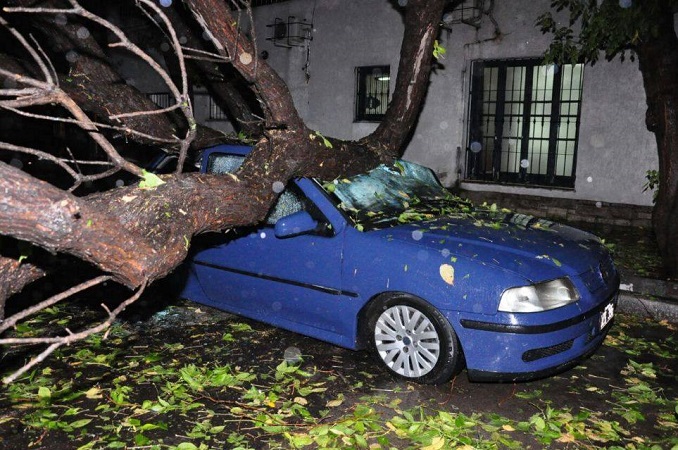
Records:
x=532, y=248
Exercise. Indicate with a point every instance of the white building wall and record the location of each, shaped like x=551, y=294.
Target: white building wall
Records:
x=615, y=148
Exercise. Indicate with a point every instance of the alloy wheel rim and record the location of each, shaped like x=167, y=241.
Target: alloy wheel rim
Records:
x=407, y=341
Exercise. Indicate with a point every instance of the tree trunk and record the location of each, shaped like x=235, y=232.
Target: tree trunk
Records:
x=658, y=60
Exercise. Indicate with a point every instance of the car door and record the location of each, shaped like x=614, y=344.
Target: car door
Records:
x=293, y=282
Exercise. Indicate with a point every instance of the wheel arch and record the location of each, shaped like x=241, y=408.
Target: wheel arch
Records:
x=373, y=302
x=452, y=355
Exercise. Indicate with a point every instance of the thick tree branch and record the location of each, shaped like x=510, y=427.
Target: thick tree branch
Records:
x=422, y=19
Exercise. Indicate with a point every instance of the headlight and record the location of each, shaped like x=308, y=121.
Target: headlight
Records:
x=539, y=297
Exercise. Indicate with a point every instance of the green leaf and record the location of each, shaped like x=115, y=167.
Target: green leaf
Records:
x=26, y=250
x=141, y=440
x=44, y=393
x=438, y=50
x=326, y=141
x=186, y=446
x=150, y=180
x=80, y=423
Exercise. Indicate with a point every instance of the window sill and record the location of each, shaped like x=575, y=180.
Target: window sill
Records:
x=517, y=185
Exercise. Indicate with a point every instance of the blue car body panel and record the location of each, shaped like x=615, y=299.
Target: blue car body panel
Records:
x=317, y=284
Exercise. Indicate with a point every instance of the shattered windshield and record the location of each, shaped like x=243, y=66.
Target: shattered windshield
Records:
x=389, y=195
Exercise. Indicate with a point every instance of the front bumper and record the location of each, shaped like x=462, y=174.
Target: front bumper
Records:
x=509, y=352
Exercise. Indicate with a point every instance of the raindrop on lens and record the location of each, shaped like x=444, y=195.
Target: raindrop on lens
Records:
x=164, y=46
x=292, y=355
x=476, y=146
x=553, y=68
x=417, y=235
x=72, y=56
x=625, y=3
x=402, y=3
x=444, y=125
x=166, y=3
x=277, y=306
x=61, y=19
x=119, y=183
x=183, y=40
x=590, y=179
x=16, y=162
x=524, y=163
x=83, y=33
x=278, y=187
x=599, y=204
x=262, y=235
x=445, y=252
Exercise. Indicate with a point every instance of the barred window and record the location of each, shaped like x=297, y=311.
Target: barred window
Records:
x=162, y=99
x=216, y=113
x=524, y=122
x=256, y=3
x=372, y=91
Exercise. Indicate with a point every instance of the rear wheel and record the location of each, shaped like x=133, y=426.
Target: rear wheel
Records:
x=413, y=339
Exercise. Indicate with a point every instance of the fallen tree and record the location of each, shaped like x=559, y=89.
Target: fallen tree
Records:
x=138, y=234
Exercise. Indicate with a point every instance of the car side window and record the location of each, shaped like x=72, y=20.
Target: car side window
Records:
x=288, y=203
x=293, y=200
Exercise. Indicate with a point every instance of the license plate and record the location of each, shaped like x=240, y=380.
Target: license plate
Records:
x=606, y=315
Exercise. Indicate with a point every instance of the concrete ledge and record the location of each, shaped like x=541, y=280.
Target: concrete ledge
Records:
x=567, y=209
x=650, y=287
x=644, y=306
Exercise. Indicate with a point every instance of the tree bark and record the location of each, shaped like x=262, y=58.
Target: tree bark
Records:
x=658, y=61
x=15, y=276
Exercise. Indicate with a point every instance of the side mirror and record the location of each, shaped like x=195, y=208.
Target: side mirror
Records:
x=295, y=224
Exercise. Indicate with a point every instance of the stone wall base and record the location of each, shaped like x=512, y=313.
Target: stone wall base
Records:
x=566, y=209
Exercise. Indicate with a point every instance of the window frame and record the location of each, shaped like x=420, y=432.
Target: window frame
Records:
x=362, y=73
x=486, y=164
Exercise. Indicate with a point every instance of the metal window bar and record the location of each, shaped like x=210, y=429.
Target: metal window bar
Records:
x=372, y=92
x=524, y=122
x=162, y=99
x=256, y=3
x=216, y=113
x=468, y=12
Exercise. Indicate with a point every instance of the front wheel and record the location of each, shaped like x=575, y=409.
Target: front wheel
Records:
x=413, y=340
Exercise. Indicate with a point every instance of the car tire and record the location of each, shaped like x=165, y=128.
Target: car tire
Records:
x=413, y=339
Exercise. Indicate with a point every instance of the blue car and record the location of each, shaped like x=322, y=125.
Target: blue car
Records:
x=390, y=261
